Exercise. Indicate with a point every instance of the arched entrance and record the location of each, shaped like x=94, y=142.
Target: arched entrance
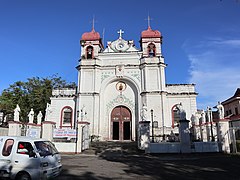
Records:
x=121, y=123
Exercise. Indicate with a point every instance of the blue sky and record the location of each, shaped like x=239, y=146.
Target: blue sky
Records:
x=201, y=39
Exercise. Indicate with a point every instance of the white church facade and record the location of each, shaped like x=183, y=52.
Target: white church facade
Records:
x=119, y=86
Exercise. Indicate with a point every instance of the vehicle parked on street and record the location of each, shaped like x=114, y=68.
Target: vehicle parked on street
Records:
x=28, y=158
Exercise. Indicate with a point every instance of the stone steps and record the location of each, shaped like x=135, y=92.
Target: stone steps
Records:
x=114, y=147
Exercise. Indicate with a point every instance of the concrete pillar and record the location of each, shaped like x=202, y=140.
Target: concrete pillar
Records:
x=204, y=132
x=184, y=135
x=223, y=135
x=198, y=132
x=14, y=128
x=143, y=134
x=47, y=129
x=208, y=131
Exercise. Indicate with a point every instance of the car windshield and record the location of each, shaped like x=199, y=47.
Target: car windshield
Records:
x=45, y=148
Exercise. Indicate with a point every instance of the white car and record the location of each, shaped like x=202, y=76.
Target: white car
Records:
x=26, y=158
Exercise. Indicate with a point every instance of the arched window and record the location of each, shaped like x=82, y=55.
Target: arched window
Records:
x=89, y=52
x=151, y=50
x=175, y=116
x=66, y=117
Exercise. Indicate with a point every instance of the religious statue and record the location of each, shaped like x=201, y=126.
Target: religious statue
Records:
x=220, y=110
x=83, y=113
x=203, y=117
x=39, y=117
x=181, y=111
x=16, y=113
x=209, y=114
x=47, y=112
x=31, y=116
x=144, y=113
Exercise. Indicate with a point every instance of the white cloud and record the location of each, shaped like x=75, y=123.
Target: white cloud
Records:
x=214, y=69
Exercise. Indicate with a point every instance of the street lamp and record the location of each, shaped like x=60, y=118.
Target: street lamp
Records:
x=211, y=123
x=152, y=125
x=76, y=132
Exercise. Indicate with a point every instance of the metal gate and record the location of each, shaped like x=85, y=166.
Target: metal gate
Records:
x=234, y=133
x=85, y=137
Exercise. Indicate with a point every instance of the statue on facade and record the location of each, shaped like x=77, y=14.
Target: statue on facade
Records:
x=31, y=116
x=144, y=113
x=220, y=110
x=181, y=111
x=39, y=117
x=203, y=117
x=16, y=113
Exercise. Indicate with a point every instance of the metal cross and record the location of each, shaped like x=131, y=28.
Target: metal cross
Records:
x=120, y=32
x=148, y=19
x=93, y=23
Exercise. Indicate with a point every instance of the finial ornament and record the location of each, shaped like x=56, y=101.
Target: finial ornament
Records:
x=149, y=20
x=120, y=32
x=93, y=23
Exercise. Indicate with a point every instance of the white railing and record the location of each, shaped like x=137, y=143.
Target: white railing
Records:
x=64, y=92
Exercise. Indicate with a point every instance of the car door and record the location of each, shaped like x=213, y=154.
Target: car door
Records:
x=24, y=159
x=50, y=158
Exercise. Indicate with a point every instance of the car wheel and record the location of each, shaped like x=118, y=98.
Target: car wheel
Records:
x=23, y=176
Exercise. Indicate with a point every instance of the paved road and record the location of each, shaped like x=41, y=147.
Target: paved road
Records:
x=117, y=165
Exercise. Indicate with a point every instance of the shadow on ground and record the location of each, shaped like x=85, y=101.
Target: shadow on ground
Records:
x=163, y=166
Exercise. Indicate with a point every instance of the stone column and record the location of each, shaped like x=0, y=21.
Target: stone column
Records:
x=184, y=135
x=14, y=128
x=47, y=129
x=143, y=134
x=223, y=135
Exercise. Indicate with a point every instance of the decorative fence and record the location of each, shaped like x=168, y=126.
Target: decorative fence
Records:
x=66, y=140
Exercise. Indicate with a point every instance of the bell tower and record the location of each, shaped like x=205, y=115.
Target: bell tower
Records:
x=152, y=68
x=91, y=45
x=152, y=61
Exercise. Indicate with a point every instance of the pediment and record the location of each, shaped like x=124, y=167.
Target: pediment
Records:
x=120, y=45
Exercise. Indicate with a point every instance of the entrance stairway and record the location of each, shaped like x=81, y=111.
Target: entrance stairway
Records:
x=113, y=147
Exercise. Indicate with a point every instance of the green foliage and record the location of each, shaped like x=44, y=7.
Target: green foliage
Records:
x=35, y=93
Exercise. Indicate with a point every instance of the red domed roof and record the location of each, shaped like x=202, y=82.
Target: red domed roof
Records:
x=149, y=33
x=90, y=36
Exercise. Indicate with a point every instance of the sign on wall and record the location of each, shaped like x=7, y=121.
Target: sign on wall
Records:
x=32, y=132
x=64, y=133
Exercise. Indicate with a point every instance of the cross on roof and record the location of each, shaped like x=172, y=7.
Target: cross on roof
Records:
x=93, y=23
x=148, y=19
x=120, y=32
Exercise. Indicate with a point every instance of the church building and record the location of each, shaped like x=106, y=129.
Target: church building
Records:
x=119, y=86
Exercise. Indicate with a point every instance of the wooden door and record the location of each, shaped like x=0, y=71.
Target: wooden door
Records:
x=121, y=123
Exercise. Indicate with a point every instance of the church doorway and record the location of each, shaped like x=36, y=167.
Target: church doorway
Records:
x=121, y=123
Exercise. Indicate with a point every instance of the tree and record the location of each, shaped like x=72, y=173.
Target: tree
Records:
x=35, y=93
